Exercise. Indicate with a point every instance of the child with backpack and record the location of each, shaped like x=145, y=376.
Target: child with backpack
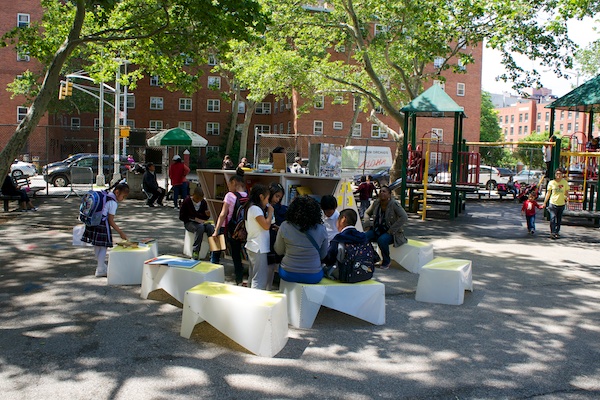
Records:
x=351, y=257
x=227, y=220
x=529, y=208
x=100, y=235
x=257, y=241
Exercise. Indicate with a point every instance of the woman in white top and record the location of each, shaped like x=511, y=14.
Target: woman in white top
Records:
x=257, y=241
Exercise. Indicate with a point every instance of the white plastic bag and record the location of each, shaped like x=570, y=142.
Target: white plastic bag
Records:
x=77, y=234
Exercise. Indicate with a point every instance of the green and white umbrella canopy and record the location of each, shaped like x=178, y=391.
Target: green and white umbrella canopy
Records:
x=177, y=137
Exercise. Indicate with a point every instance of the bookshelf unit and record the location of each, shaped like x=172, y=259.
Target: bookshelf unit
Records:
x=214, y=184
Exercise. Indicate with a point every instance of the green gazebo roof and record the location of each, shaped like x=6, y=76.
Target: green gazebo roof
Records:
x=434, y=102
x=584, y=98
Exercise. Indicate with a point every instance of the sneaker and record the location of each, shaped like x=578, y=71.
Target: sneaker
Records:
x=196, y=255
x=160, y=204
x=101, y=274
x=532, y=232
x=32, y=209
x=553, y=236
x=385, y=266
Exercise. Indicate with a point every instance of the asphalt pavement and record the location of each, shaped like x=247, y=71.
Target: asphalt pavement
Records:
x=529, y=330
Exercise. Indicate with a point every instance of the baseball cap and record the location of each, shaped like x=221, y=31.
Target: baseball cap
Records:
x=176, y=157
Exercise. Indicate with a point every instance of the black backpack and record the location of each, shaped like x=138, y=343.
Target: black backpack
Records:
x=357, y=262
x=236, y=227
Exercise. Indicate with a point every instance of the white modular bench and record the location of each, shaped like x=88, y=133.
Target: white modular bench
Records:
x=125, y=264
x=363, y=300
x=444, y=281
x=176, y=280
x=255, y=319
x=412, y=255
x=188, y=245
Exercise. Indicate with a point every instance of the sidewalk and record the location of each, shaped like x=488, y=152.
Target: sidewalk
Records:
x=529, y=330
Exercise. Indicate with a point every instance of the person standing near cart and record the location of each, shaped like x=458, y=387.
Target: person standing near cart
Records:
x=557, y=195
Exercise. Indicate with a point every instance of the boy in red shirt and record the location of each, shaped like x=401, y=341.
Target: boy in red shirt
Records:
x=529, y=208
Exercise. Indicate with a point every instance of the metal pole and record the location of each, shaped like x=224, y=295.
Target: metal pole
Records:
x=125, y=110
x=116, y=172
x=256, y=147
x=100, y=177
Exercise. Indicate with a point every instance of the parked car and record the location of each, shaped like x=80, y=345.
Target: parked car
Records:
x=505, y=172
x=380, y=177
x=23, y=167
x=60, y=175
x=66, y=161
x=528, y=176
x=488, y=177
x=434, y=170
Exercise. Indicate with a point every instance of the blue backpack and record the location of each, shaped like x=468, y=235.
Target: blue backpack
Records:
x=92, y=204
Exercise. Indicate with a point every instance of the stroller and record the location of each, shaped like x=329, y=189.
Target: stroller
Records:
x=526, y=190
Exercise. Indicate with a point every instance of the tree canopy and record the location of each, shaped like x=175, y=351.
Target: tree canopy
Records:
x=167, y=38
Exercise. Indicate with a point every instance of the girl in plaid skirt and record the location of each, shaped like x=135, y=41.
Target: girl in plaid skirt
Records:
x=100, y=236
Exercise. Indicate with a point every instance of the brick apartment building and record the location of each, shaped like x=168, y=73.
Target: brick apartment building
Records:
x=526, y=115
x=152, y=108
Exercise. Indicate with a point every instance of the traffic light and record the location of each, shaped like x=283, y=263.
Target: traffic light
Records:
x=124, y=131
x=69, y=89
x=61, y=91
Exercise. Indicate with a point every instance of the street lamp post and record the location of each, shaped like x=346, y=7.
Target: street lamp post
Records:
x=100, y=177
x=116, y=171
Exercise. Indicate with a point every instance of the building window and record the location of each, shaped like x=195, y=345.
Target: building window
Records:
x=526, y=117
x=320, y=102
x=338, y=125
x=212, y=60
x=241, y=107
x=275, y=107
x=460, y=89
x=520, y=117
x=21, y=113
x=506, y=119
x=281, y=105
x=512, y=119
x=185, y=104
x=357, y=130
x=212, y=128
x=539, y=116
x=185, y=125
x=23, y=55
x=156, y=103
x=569, y=125
x=562, y=126
x=375, y=131
x=289, y=127
x=23, y=20
x=96, y=124
x=130, y=101
x=576, y=126
x=520, y=129
x=380, y=29
x=576, y=114
x=317, y=127
x=154, y=81
x=438, y=62
x=263, y=108
x=75, y=123
x=355, y=103
x=461, y=65
x=214, y=82
x=562, y=115
x=442, y=84
x=500, y=119
x=570, y=115
x=275, y=129
x=213, y=105
x=547, y=116
x=538, y=128
x=437, y=133
x=212, y=149
x=262, y=129
x=512, y=130
x=156, y=125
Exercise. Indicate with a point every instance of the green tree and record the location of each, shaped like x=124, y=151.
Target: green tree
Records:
x=490, y=131
x=389, y=66
x=167, y=38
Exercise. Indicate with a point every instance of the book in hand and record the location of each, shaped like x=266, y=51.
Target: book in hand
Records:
x=173, y=261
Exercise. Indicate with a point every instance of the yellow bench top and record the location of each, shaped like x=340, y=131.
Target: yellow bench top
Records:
x=248, y=296
x=450, y=264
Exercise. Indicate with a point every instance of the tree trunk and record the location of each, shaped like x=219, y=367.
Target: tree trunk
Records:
x=233, y=122
x=250, y=108
x=354, y=119
x=40, y=103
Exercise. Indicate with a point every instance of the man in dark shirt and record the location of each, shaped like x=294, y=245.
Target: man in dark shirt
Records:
x=194, y=214
x=151, y=187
